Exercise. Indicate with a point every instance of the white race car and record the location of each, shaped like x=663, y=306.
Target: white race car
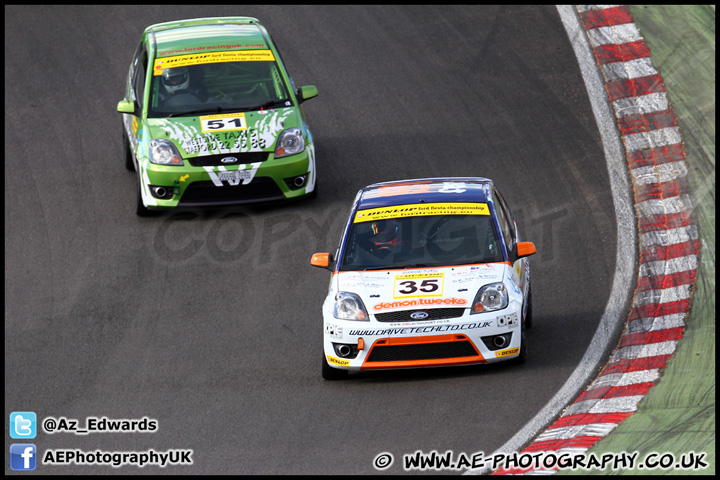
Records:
x=429, y=272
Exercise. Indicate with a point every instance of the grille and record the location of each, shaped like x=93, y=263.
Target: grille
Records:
x=433, y=314
x=425, y=351
x=205, y=192
x=216, y=160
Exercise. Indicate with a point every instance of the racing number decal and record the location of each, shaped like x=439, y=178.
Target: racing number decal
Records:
x=223, y=122
x=427, y=286
x=419, y=285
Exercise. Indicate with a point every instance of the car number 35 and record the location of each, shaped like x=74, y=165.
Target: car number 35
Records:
x=421, y=288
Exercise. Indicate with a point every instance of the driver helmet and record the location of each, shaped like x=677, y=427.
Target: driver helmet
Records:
x=386, y=235
x=175, y=79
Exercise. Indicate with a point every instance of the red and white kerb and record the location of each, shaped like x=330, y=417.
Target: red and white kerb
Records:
x=669, y=243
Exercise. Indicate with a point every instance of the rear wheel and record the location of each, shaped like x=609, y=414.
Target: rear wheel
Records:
x=330, y=373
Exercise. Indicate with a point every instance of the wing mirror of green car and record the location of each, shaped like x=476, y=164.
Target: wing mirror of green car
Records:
x=306, y=93
x=126, y=107
x=322, y=260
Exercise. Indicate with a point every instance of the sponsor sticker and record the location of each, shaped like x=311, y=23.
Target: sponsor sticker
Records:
x=235, y=177
x=417, y=187
x=421, y=302
x=212, y=57
x=419, y=285
x=338, y=361
x=508, y=321
x=508, y=352
x=421, y=209
x=333, y=330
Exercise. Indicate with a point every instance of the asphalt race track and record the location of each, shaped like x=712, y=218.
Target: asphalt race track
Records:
x=209, y=322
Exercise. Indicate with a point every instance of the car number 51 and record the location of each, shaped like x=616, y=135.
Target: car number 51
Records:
x=220, y=123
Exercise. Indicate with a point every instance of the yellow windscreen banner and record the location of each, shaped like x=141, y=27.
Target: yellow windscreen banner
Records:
x=213, y=57
x=421, y=209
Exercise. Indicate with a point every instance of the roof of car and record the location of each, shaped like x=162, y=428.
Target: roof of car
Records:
x=204, y=35
x=426, y=190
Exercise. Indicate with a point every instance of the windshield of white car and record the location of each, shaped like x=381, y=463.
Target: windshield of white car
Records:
x=423, y=241
x=218, y=87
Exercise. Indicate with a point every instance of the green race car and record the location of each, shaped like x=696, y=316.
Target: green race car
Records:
x=212, y=118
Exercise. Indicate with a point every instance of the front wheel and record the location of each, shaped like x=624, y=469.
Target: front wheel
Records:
x=313, y=194
x=140, y=209
x=522, y=357
x=128, y=152
x=528, y=315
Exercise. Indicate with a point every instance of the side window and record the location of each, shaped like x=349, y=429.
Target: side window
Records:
x=280, y=58
x=508, y=214
x=140, y=68
x=506, y=222
x=136, y=57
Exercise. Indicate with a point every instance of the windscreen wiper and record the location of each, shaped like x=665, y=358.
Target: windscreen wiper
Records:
x=202, y=110
x=396, y=267
x=269, y=104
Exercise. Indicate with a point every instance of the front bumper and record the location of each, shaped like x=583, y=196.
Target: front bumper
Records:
x=272, y=180
x=469, y=339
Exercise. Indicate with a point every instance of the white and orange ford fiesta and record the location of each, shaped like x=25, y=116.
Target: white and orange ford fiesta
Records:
x=429, y=272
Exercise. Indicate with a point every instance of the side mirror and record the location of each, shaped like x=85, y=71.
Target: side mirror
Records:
x=126, y=107
x=525, y=249
x=306, y=93
x=321, y=260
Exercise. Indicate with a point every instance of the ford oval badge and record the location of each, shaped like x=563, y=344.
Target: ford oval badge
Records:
x=229, y=160
x=418, y=315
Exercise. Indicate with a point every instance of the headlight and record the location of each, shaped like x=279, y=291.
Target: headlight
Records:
x=490, y=298
x=349, y=306
x=290, y=142
x=163, y=152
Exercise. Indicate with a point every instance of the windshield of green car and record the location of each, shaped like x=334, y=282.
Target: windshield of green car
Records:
x=422, y=241
x=217, y=87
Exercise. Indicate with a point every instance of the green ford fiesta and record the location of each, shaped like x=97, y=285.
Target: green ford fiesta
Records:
x=211, y=118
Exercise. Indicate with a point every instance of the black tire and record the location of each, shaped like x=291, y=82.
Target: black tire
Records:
x=129, y=164
x=330, y=373
x=314, y=193
x=522, y=357
x=528, y=315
